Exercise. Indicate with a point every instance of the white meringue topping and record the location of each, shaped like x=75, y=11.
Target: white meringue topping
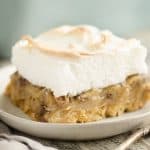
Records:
x=73, y=59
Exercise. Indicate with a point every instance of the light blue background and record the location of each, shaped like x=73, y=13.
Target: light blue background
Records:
x=18, y=17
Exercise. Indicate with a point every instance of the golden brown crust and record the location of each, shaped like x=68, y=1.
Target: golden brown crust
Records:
x=41, y=105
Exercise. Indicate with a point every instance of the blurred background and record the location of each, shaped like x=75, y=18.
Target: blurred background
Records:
x=123, y=17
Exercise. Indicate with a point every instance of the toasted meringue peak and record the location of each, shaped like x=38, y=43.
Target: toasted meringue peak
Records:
x=77, y=41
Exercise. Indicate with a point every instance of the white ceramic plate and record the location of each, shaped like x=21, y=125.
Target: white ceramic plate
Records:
x=95, y=130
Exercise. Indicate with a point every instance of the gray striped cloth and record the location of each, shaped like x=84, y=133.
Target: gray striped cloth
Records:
x=10, y=141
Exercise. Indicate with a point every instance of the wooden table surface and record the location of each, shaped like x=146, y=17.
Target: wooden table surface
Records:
x=103, y=144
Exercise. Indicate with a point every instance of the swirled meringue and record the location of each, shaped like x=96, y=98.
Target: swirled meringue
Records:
x=72, y=59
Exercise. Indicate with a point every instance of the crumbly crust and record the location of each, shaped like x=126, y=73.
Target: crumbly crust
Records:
x=41, y=105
